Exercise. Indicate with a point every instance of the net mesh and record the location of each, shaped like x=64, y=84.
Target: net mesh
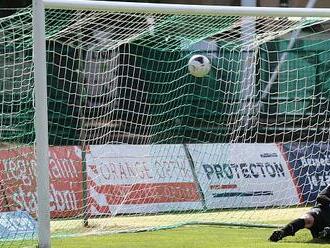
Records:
x=137, y=142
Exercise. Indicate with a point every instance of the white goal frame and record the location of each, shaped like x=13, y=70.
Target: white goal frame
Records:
x=39, y=57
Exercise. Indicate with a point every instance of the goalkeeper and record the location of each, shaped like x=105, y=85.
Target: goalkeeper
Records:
x=317, y=220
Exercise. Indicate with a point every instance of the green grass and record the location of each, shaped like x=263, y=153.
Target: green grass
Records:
x=192, y=237
x=188, y=237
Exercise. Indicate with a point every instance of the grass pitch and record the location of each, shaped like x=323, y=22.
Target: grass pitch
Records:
x=198, y=236
x=189, y=236
x=194, y=237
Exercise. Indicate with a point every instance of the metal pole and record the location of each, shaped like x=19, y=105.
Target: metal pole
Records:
x=41, y=123
x=84, y=184
x=184, y=9
x=195, y=177
x=284, y=3
x=248, y=67
x=293, y=38
x=274, y=74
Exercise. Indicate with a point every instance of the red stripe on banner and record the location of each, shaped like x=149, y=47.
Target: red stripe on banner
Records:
x=98, y=209
x=223, y=186
x=17, y=171
x=148, y=193
x=290, y=169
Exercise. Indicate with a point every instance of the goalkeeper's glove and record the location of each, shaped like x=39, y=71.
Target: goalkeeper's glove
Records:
x=325, y=233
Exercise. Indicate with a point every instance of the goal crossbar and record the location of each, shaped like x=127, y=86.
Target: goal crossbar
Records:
x=184, y=9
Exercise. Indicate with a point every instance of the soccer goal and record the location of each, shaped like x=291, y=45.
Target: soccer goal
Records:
x=123, y=117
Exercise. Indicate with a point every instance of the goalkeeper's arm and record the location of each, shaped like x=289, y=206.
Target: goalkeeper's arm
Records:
x=323, y=197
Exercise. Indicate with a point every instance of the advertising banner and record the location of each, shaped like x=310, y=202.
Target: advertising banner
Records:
x=17, y=172
x=243, y=175
x=159, y=178
x=140, y=178
x=310, y=163
x=17, y=225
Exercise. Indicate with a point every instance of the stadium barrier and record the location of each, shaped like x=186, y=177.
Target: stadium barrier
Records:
x=19, y=181
x=243, y=175
x=310, y=163
x=140, y=179
x=147, y=179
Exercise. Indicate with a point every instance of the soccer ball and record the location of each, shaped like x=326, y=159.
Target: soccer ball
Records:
x=199, y=65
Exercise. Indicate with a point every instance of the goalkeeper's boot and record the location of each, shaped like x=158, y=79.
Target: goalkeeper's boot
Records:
x=277, y=236
x=325, y=233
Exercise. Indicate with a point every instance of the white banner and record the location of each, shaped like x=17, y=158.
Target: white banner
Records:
x=140, y=179
x=243, y=175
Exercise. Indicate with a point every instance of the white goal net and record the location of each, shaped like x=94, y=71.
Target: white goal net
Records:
x=136, y=142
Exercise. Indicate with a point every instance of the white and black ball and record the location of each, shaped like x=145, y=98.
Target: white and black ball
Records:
x=199, y=65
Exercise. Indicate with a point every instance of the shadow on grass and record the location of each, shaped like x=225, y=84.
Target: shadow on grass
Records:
x=312, y=241
x=319, y=241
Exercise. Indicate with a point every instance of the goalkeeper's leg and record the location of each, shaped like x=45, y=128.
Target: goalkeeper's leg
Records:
x=306, y=221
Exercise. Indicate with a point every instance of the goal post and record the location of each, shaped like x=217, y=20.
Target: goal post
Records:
x=41, y=123
x=134, y=141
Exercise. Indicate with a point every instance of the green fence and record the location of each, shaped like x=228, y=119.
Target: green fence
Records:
x=176, y=107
